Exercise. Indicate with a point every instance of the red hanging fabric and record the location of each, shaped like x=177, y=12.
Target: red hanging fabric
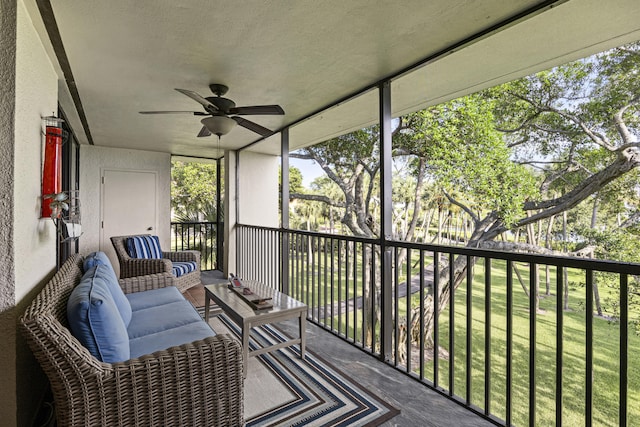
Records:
x=52, y=170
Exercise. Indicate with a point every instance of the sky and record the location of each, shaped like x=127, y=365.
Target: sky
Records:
x=310, y=170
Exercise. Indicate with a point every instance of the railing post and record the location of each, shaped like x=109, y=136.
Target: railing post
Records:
x=385, y=221
x=219, y=226
x=588, y=398
x=624, y=347
x=533, y=297
x=284, y=221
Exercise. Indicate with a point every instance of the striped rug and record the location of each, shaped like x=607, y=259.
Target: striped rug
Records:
x=310, y=392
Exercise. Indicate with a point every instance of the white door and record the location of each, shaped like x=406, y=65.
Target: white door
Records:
x=129, y=206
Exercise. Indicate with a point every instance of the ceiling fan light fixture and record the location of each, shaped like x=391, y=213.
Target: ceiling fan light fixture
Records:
x=219, y=125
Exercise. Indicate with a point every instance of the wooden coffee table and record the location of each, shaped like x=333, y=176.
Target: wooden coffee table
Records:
x=284, y=307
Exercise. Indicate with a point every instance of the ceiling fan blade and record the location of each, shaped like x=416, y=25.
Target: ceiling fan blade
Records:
x=205, y=103
x=264, y=110
x=252, y=126
x=195, y=113
x=204, y=132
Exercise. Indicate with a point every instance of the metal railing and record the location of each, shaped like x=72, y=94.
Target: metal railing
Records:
x=205, y=237
x=474, y=325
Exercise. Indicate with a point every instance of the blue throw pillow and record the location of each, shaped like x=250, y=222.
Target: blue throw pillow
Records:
x=105, y=271
x=96, y=258
x=144, y=247
x=95, y=321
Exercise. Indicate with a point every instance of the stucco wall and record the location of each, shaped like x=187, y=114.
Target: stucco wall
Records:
x=7, y=278
x=28, y=84
x=258, y=189
x=257, y=196
x=36, y=97
x=93, y=160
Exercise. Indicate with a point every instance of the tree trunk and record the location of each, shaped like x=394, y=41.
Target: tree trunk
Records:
x=531, y=234
x=548, y=246
x=466, y=231
x=370, y=293
x=440, y=221
x=564, y=230
x=596, y=298
x=459, y=266
x=547, y=281
x=427, y=226
x=330, y=220
x=521, y=280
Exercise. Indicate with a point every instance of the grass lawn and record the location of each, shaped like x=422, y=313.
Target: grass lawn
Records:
x=605, y=354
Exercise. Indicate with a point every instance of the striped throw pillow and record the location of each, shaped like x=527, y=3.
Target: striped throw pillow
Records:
x=180, y=268
x=144, y=247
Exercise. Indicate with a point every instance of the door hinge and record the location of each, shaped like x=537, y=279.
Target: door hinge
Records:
x=102, y=224
x=103, y=180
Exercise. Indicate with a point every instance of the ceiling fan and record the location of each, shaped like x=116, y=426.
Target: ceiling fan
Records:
x=219, y=109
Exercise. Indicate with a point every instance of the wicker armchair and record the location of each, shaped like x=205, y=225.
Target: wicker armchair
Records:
x=195, y=384
x=131, y=267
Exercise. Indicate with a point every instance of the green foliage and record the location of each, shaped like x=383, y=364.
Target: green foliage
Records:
x=295, y=179
x=466, y=154
x=193, y=191
x=621, y=245
x=345, y=151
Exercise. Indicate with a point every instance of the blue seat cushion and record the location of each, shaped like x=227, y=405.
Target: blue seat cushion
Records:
x=162, y=326
x=154, y=297
x=100, y=261
x=180, y=268
x=95, y=321
x=144, y=247
x=156, y=319
x=162, y=340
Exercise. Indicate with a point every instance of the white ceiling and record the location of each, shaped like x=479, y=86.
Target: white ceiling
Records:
x=128, y=56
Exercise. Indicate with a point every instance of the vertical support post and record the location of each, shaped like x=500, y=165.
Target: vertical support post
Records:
x=64, y=248
x=385, y=221
x=452, y=326
x=436, y=317
x=533, y=297
x=624, y=347
x=509, y=355
x=219, y=227
x=588, y=398
x=469, y=343
x=559, y=343
x=236, y=174
x=284, y=211
x=487, y=336
x=76, y=184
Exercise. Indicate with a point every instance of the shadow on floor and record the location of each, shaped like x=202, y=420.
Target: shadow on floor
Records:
x=195, y=295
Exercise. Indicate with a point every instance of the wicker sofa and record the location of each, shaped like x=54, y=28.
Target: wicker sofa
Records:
x=132, y=267
x=198, y=383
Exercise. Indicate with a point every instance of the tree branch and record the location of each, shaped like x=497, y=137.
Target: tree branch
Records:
x=596, y=137
x=317, y=198
x=522, y=125
x=631, y=221
x=461, y=206
x=621, y=126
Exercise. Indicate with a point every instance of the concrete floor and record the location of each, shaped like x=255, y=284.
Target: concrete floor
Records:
x=419, y=406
